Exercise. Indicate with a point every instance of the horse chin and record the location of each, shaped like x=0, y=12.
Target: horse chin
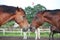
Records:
x=33, y=30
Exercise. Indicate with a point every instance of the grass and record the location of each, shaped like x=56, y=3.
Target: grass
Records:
x=45, y=34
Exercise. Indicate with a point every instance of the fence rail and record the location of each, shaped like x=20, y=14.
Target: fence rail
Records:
x=40, y=30
x=37, y=32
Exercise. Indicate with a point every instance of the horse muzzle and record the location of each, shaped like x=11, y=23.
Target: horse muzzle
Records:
x=32, y=29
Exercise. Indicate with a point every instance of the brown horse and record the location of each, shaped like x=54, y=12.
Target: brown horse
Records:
x=8, y=13
x=50, y=16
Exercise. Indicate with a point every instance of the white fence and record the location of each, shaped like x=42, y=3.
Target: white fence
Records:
x=37, y=32
x=40, y=30
x=2, y=30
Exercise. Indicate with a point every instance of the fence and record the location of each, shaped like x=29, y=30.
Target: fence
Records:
x=37, y=32
x=2, y=30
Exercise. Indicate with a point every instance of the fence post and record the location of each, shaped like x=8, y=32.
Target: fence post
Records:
x=28, y=32
x=21, y=31
x=37, y=32
x=3, y=32
x=25, y=35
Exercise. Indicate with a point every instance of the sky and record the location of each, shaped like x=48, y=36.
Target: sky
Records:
x=49, y=4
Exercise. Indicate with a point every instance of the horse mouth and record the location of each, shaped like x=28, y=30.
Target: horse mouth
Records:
x=33, y=30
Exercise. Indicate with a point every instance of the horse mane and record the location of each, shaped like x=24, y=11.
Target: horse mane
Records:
x=8, y=9
x=56, y=10
x=51, y=11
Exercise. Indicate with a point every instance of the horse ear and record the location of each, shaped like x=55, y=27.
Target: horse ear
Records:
x=18, y=8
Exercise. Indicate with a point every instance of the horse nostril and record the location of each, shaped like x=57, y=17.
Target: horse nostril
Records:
x=32, y=29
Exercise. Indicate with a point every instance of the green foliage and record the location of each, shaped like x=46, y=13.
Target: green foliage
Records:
x=46, y=25
x=8, y=24
x=30, y=12
x=39, y=7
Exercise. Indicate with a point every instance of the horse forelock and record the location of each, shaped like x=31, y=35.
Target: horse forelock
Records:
x=22, y=10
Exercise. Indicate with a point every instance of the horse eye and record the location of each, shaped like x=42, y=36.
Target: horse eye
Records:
x=23, y=16
x=36, y=17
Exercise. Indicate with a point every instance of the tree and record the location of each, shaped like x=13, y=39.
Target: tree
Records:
x=8, y=24
x=46, y=25
x=30, y=12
